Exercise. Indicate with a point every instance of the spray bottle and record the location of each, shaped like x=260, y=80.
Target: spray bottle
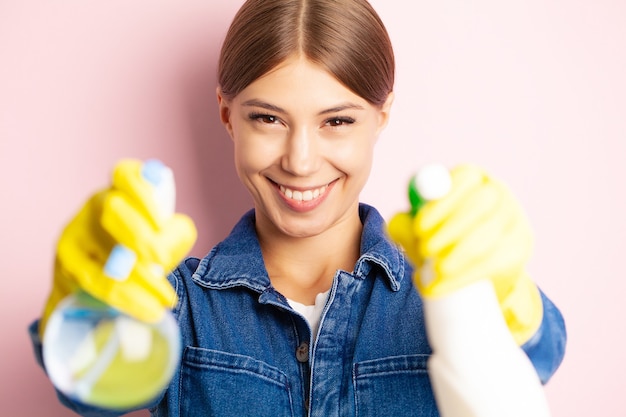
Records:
x=476, y=369
x=100, y=356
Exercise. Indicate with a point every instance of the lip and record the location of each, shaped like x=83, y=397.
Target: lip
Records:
x=303, y=206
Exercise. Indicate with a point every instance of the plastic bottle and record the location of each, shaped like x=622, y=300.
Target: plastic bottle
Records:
x=476, y=368
x=97, y=355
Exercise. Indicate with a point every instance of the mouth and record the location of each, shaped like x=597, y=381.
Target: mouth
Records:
x=305, y=195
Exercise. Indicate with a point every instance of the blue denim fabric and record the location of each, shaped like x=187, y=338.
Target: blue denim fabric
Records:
x=247, y=353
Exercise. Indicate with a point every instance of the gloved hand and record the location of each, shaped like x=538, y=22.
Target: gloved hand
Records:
x=477, y=231
x=128, y=213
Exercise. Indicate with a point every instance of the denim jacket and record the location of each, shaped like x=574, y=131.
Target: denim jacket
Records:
x=246, y=352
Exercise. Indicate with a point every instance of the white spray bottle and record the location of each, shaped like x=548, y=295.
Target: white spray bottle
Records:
x=98, y=355
x=476, y=369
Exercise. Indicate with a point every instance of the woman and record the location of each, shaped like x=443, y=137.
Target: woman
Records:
x=306, y=308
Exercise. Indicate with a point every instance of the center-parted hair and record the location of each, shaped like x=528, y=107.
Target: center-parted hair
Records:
x=346, y=37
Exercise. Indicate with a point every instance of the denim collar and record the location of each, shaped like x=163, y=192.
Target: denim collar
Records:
x=237, y=261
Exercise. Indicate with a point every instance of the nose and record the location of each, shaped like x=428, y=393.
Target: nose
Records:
x=301, y=156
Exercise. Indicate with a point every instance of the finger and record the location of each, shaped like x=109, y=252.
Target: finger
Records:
x=464, y=180
x=505, y=259
x=514, y=252
x=152, y=278
x=82, y=267
x=473, y=209
x=483, y=236
x=144, y=295
x=132, y=298
x=166, y=246
x=175, y=240
x=441, y=284
x=128, y=226
x=517, y=241
x=400, y=229
x=83, y=242
x=479, y=244
x=123, y=266
x=129, y=179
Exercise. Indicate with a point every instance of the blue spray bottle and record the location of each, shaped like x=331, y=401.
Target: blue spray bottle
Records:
x=98, y=355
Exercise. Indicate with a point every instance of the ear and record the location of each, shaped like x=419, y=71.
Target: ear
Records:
x=385, y=110
x=224, y=111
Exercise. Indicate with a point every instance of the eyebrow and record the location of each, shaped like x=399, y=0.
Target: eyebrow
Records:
x=273, y=108
x=263, y=105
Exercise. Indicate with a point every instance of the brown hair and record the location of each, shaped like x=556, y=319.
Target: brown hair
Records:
x=347, y=37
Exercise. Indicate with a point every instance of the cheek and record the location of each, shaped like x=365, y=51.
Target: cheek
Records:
x=252, y=155
x=246, y=160
x=356, y=155
x=244, y=155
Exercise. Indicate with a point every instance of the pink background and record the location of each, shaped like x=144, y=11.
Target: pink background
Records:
x=533, y=91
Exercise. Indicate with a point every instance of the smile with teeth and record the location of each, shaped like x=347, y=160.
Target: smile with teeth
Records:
x=306, y=195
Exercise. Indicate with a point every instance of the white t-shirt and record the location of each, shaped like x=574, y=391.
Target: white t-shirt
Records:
x=312, y=313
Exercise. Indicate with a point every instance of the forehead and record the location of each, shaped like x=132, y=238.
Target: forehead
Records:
x=298, y=82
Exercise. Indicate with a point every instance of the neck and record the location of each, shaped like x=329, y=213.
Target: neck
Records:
x=302, y=267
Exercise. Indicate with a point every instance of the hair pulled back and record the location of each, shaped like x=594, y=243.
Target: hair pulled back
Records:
x=346, y=37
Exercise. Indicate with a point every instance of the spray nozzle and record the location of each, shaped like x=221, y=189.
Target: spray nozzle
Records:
x=431, y=182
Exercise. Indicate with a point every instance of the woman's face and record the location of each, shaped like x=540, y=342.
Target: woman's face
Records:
x=303, y=147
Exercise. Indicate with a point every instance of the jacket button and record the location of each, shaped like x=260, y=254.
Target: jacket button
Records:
x=302, y=352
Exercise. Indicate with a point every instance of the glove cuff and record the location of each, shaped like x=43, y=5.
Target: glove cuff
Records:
x=522, y=308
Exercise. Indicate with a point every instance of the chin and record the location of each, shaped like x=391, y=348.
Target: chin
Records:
x=302, y=230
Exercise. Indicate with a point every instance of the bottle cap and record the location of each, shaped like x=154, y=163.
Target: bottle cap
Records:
x=431, y=182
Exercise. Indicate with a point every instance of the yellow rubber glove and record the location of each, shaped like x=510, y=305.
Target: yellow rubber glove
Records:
x=477, y=231
x=129, y=213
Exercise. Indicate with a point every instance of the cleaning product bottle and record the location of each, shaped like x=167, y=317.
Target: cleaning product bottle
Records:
x=98, y=355
x=476, y=368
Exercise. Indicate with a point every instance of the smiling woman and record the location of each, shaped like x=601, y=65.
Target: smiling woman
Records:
x=305, y=164
x=307, y=307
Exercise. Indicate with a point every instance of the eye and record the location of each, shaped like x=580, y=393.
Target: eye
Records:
x=339, y=121
x=264, y=118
